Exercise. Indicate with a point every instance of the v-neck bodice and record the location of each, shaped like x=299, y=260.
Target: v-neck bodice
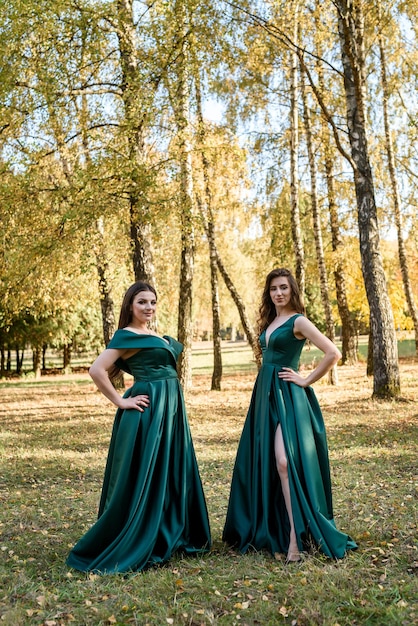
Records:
x=283, y=348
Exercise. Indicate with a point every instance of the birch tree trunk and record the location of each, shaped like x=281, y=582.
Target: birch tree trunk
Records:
x=349, y=338
x=102, y=265
x=317, y=228
x=245, y=321
x=216, y=262
x=386, y=380
x=2, y=361
x=348, y=332
x=294, y=146
x=210, y=233
x=105, y=289
x=36, y=362
x=99, y=248
x=140, y=226
x=412, y=307
x=181, y=103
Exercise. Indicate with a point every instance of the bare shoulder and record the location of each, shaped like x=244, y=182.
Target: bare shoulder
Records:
x=304, y=328
x=108, y=357
x=303, y=325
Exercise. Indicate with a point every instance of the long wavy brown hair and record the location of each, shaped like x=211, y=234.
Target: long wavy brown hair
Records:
x=125, y=316
x=267, y=310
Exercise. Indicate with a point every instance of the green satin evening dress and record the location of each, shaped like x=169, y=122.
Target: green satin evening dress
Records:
x=257, y=516
x=152, y=502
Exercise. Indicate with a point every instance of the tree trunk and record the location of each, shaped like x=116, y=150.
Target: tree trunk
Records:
x=246, y=324
x=210, y=232
x=19, y=360
x=142, y=256
x=216, y=322
x=386, y=381
x=36, y=361
x=348, y=327
x=369, y=370
x=185, y=328
x=140, y=227
x=67, y=356
x=44, y=349
x=105, y=289
x=317, y=228
x=294, y=174
x=412, y=307
x=181, y=102
x=105, y=296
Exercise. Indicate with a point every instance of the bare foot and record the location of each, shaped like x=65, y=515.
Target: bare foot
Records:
x=293, y=557
x=293, y=554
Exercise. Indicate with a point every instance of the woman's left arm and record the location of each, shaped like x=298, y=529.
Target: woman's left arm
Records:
x=303, y=328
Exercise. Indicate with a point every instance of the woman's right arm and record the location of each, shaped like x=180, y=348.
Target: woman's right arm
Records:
x=99, y=371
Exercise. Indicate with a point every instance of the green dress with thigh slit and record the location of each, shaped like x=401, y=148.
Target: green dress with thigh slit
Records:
x=257, y=516
x=152, y=502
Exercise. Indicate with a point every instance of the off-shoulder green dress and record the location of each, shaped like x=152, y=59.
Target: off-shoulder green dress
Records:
x=257, y=516
x=152, y=502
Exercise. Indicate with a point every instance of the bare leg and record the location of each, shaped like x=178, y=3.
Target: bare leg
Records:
x=281, y=464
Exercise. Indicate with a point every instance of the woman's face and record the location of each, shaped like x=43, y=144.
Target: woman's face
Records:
x=280, y=291
x=143, y=307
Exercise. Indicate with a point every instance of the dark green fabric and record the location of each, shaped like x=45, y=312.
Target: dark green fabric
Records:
x=152, y=501
x=257, y=516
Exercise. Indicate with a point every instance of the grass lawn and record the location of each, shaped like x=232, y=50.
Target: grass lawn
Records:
x=53, y=445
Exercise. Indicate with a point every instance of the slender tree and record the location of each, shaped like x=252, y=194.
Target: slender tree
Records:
x=317, y=227
x=206, y=212
x=386, y=381
x=348, y=330
x=135, y=124
x=327, y=149
x=180, y=98
x=294, y=147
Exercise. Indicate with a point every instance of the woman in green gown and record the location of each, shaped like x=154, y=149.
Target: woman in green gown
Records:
x=152, y=502
x=280, y=497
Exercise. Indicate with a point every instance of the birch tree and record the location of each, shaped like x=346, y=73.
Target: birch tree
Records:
x=317, y=227
x=328, y=150
x=294, y=147
x=386, y=379
x=132, y=84
x=180, y=98
x=206, y=211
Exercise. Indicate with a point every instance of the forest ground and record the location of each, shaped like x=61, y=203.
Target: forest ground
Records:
x=53, y=444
